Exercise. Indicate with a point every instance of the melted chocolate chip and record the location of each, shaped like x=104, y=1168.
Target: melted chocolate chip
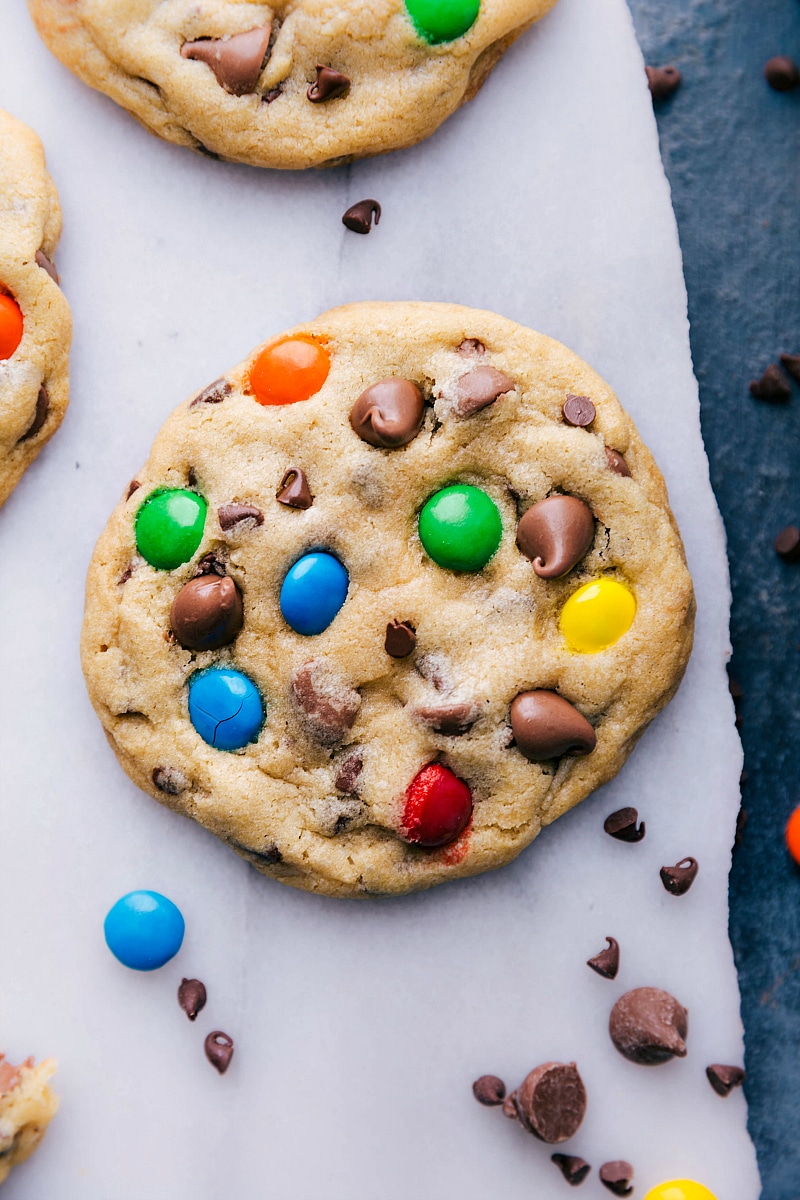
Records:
x=622, y=825
x=294, y=490
x=471, y=346
x=663, y=81
x=555, y=534
x=230, y=515
x=401, y=638
x=236, y=61
x=724, y=1079
x=781, y=73
x=326, y=702
x=648, y=1026
x=551, y=1102
x=791, y=363
x=192, y=997
x=545, y=726
x=328, y=85
x=448, y=719
x=215, y=393
x=616, y=463
x=389, y=413
x=219, y=1050
x=359, y=216
x=617, y=1177
x=48, y=265
x=787, y=543
x=573, y=1169
x=606, y=963
x=170, y=780
x=489, y=1090
x=39, y=415
x=207, y=613
x=133, y=486
x=773, y=386
x=479, y=388
x=348, y=774
x=578, y=410
x=678, y=879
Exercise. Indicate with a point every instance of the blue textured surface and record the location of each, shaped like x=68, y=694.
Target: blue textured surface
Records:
x=144, y=930
x=731, y=147
x=313, y=591
x=225, y=708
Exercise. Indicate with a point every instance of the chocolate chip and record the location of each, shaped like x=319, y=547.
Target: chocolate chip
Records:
x=773, y=386
x=578, y=410
x=39, y=414
x=781, y=73
x=400, y=640
x=479, y=388
x=271, y=95
x=389, y=413
x=270, y=855
x=555, y=534
x=617, y=1177
x=678, y=879
x=551, y=1102
x=126, y=574
x=787, y=543
x=606, y=963
x=348, y=774
x=791, y=362
x=742, y=817
x=448, y=719
x=192, y=997
x=219, y=1050
x=545, y=726
x=724, y=1079
x=359, y=216
x=617, y=463
x=48, y=265
x=209, y=564
x=489, y=1090
x=207, y=613
x=734, y=687
x=170, y=780
x=236, y=61
x=326, y=701
x=663, y=81
x=622, y=825
x=230, y=515
x=215, y=393
x=648, y=1026
x=294, y=490
x=471, y=346
x=573, y=1168
x=328, y=85
x=133, y=486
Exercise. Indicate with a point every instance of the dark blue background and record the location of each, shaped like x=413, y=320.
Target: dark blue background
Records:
x=731, y=147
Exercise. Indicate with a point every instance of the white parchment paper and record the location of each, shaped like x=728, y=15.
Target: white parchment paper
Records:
x=359, y=1026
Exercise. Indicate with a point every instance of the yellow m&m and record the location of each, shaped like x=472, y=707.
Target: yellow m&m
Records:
x=680, y=1189
x=597, y=615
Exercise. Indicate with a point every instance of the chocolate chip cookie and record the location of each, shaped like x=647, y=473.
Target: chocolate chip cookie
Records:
x=311, y=83
x=392, y=595
x=35, y=320
x=27, y=1105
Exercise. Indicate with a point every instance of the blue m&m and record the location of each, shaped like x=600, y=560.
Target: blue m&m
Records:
x=144, y=930
x=225, y=708
x=313, y=591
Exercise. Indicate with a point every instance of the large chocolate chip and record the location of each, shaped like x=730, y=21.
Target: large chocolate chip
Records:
x=773, y=386
x=192, y=997
x=449, y=719
x=359, y=216
x=326, y=701
x=616, y=463
x=207, y=612
x=622, y=825
x=555, y=534
x=215, y=393
x=236, y=61
x=578, y=410
x=573, y=1168
x=219, y=1050
x=648, y=1026
x=678, y=879
x=617, y=1177
x=48, y=265
x=606, y=963
x=551, y=1102
x=294, y=490
x=328, y=85
x=479, y=388
x=389, y=413
x=545, y=725
x=230, y=515
x=787, y=543
x=791, y=362
x=663, y=81
x=782, y=73
x=489, y=1090
x=39, y=415
x=348, y=773
x=724, y=1079
x=400, y=639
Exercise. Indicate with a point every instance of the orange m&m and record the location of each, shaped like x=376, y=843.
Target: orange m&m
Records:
x=292, y=369
x=793, y=835
x=10, y=326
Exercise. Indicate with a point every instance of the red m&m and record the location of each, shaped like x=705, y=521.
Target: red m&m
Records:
x=289, y=370
x=10, y=326
x=793, y=835
x=438, y=807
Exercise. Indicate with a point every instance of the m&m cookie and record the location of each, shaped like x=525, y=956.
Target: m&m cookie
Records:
x=390, y=596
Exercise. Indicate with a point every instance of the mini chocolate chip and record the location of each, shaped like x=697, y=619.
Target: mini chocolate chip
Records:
x=39, y=414
x=400, y=640
x=663, y=81
x=219, y=1050
x=787, y=543
x=471, y=346
x=359, y=216
x=271, y=95
x=479, y=388
x=170, y=780
x=622, y=825
x=606, y=963
x=578, y=410
x=791, y=362
x=126, y=574
x=270, y=855
x=328, y=85
x=448, y=719
x=773, y=386
x=489, y=1090
x=209, y=564
x=724, y=1079
x=389, y=413
x=236, y=61
x=230, y=515
x=551, y=1102
x=545, y=726
x=192, y=997
x=48, y=265
x=349, y=773
x=648, y=1026
x=326, y=701
x=555, y=534
x=133, y=486
x=215, y=393
x=781, y=73
x=617, y=1177
x=617, y=463
x=207, y=613
x=294, y=491
x=678, y=879
x=573, y=1168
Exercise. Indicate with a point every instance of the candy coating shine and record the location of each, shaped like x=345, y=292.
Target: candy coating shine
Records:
x=169, y=527
x=225, y=708
x=290, y=370
x=680, y=1189
x=597, y=615
x=460, y=528
x=10, y=326
x=144, y=930
x=443, y=20
x=313, y=591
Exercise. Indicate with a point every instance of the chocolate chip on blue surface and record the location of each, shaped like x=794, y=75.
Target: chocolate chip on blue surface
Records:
x=489, y=1090
x=192, y=997
x=678, y=879
x=400, y=640
x=572, y=1167
x=294, y=491
x=328, y=85
x=782, y=73
x=791, y=363
x=215, y=393
x=219, y=1050
x=724, y=1079
x=787, y=543
x=47, y=265
x=236, y=61
x=606, y=963
x=617, y=1176
x=663, y=81
x=773, y=387
x=578, y=410
x=648, y=1026
x=622, y=825
x=359, y=216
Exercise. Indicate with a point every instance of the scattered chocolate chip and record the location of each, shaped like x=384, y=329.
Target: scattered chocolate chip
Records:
x=791, y=362
x=545, y=726
x=573, y=1169
x=389, y=413
x=663, y=81
x=359, y=216
x=448, y=719
x=555, y=534
x=215, y=393
x=617, y=1177
x=271, y=95
x=192, y=997
x=622, y=825
x=489, y=1090
x=326, y=701
x=401, y=638
x=349, y=773
x=236, y=61
x=781, y=73
x=773, y=386
x=39, y=414
x=606, y=963
x=724, y=1079
x=170, y=780
x=328, y=85
x=209, y=564
x=230, y=515
x=578, y=410
x=787, y=543
x=678, y=879
x=648, y=1026
x=294, y=490
x=616, y=463
x=207, y=613
x=551, y=1102
x=48, y=265
x=219, y=1050
x=479, y=388
x=133, y=486
x=471, y=346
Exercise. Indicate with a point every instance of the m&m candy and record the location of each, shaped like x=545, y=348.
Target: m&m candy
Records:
x=680, y=1189
x=793, y=835
x=10, y=326
x=313, y=591
x=225, y=708
x=169, y=527
x=292, y=369
x=442, y=20
x=438, y=806
x=144, y=930
x=597, y=615
x=460, y=528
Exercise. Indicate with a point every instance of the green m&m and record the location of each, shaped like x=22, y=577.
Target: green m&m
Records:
x=169, y=527
x=442, y=20
x=460, y=527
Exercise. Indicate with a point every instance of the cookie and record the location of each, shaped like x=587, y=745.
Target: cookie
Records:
x=27, y=1105
x=397, y=592
x=312, y=83
x=35, y=319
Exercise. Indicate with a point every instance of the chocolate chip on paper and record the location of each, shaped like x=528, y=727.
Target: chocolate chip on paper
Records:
x=573, y=1168
x=678, y=879
x=219, y=1050
x=489, y=1090
x=622, y=825
x=550, y=1102
x=724, y=1079
x=617, y=1176
x=192, y=997
x=648, y=1026
x=359, y=216
x=606, y=963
